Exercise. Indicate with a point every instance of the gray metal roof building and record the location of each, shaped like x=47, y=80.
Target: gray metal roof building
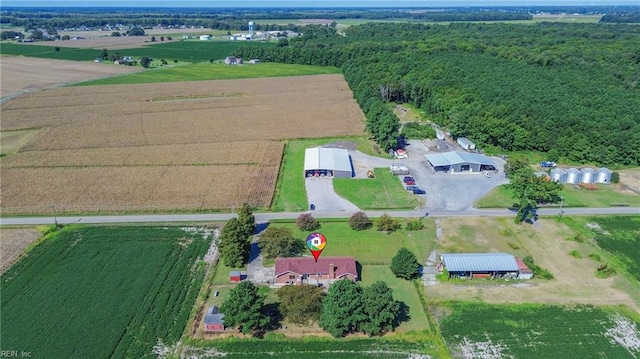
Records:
x=456, y=161
x=334, y=162
x=479, y=262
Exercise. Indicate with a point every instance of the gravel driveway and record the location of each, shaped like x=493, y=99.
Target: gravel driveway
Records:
x=320, y=192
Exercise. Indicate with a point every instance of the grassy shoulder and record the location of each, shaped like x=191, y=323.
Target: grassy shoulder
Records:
x=382, y=192
x=603, y=196
x=291, y=195
x=212, y=71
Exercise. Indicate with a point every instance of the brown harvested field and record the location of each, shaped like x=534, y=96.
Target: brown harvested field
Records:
x=13, y=241
x=173, y=146
x=546, y=241
x=22, y=74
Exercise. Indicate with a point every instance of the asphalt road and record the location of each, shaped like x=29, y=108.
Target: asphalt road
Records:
x=263, y=217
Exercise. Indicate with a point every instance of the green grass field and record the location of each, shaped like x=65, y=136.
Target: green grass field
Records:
x=604, y=196
x=384, y=191
x=539, y=331
x=370, y=247
x=186, y=51
x=97, y=292
x=208, y=71
x=290, y=191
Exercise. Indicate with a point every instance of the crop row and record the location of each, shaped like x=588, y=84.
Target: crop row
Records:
x=101, y=292
x=621, y=237
x=523, y=331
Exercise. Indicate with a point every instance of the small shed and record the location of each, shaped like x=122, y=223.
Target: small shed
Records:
x=523, y=271
x=213, y=320
x=237, y=276
x=466, y=143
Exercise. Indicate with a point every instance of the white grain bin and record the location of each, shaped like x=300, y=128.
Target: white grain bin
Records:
x=574, y=176
x=588, y=175
x=558, y=175
x=603, y=175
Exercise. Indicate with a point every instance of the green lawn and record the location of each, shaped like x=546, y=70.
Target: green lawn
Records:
x=604, y=196
x=291, y=195
x=103, y=291
x=215, y=71
x=370, y=246
x=384, y=191
x=403, y=290
x=49, y=52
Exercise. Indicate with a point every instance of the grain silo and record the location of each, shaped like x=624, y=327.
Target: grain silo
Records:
x=603, y=175
x=588, y=175
x=558, y=175
x=573, y=176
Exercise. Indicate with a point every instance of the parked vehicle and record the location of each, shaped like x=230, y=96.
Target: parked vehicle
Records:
x=486, y=174
x=547, y=164
x=419, y=191
x=399, y=170
x=411, y=188
x=408, y=178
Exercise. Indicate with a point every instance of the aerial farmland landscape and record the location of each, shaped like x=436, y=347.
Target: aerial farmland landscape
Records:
x=255, y=180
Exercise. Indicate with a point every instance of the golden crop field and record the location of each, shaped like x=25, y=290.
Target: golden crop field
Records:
x=202, y=145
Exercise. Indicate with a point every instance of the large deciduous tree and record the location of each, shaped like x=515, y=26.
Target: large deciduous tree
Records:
x=301, y=304
x=234, y=245
x=342, y=309
x=380, y=308
x=243, y=308
x=279, y=242
x=405, y=264
x=246, y=219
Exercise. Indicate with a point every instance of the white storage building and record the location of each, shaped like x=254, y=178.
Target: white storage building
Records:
x=327, y=162
x=466, y=143
x=460, y=162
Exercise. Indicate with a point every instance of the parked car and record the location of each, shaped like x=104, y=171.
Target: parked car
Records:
x=548, y=164
x=486, y=174
x=408, y=178
x=419, y=191
x=410, y=183
x=412, y=188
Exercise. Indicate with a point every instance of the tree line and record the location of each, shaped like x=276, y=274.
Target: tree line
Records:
x=567, y=88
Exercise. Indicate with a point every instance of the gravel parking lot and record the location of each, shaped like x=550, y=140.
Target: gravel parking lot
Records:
x=445, y=191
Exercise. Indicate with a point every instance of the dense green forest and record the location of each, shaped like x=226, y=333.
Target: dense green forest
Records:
x=571, y=89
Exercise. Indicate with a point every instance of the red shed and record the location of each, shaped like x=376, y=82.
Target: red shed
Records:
x=237, y=276
x=213, y=320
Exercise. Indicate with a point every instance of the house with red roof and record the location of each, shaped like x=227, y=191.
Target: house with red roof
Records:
x=305, y=270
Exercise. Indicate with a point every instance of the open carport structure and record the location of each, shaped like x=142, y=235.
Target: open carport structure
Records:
x=455, y=161
x=327, y=162
x=480, y=265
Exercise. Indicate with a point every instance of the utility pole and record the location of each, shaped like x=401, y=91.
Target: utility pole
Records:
x=561, y=203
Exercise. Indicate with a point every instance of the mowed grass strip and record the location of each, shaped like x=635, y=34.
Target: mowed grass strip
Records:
x=369, y=247
x=215, y=71
x=382, y=192
x=517, y=331
x=92, y=292
x=603, y=196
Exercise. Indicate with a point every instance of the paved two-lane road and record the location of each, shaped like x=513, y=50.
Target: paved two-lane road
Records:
x=263, y=217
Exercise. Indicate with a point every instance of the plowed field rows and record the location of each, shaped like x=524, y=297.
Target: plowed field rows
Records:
x=172, y=146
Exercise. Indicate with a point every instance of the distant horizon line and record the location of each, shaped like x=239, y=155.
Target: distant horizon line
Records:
x=198, y=6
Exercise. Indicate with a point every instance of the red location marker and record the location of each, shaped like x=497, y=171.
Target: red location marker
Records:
x=316, y=243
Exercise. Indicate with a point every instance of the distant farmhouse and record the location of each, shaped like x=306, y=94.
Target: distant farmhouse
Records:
x=232, y=60
x=305, y=270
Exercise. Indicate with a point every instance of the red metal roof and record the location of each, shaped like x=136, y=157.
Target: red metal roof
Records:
x=521, y=264
x=307, y=265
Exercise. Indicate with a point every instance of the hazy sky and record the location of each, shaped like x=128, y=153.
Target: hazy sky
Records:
x=308, y=3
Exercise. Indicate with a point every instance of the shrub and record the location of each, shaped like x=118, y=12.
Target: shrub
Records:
x=513, y=245
x=405, y=264
x=359, y=221
x=604, y=271
x=595, y=257
x=575, y=254
x=615, y=177
x=414, y=224
x=306, y=222
x=387, y=224
x=538, y=272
